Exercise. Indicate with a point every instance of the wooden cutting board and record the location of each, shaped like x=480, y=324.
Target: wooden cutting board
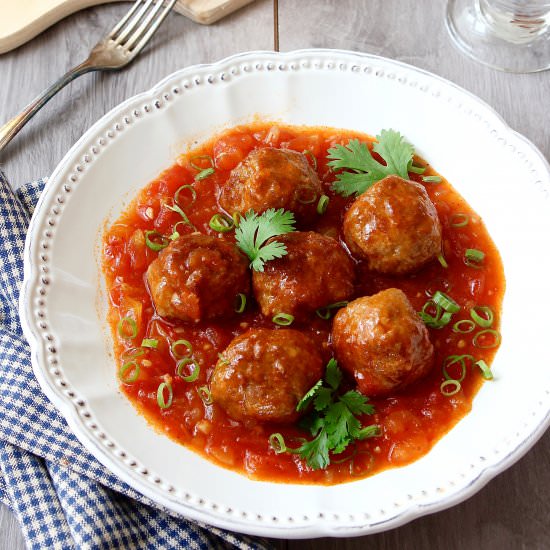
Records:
x=21, y=20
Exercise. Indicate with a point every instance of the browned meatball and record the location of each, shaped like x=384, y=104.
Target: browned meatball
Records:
x=272, y=178
x=197, y=277
x=264, y=373
x=382, y=342
x=394, y=226
x=316, y=272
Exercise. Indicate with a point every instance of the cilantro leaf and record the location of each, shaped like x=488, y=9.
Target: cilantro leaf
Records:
x=254, y=230
x=306, y=400
x=364, y=170
x=334, y=423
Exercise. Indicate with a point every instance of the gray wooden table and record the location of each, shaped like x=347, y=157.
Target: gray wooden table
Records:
x=513, y=510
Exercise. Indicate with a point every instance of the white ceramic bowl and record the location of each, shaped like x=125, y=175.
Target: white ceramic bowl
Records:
x=503, y=177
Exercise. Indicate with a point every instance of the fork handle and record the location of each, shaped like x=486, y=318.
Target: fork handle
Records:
x=9, y=130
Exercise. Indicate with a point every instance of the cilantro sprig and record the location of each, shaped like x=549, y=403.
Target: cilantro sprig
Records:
x=254, y=230
x=333, y=423
x=361, y=169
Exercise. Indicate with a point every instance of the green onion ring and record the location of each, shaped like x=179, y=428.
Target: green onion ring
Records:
x=446, y=302
x=347, y=459
x=130, y=365
x=485, y=370
x=221, y=223
x=194, y=373
x=467, y=323
x=277, y=443
x=442, y=260
x=492, y=332
x=432, y=179
x=459, y=220
x=149, y=343
x=205, y=394
x=199, y=157
x=452, y=360
x=185, y=219
x=310, y=154
x=156, y=246
x=203, y=174
x=283, y=319
x=447, y=383
x=174, y=346
x=326, y=312
x=132, y=353
x=482, y=315
x=474, y=258
x=177, y=195
x=413, y=169
x=162, y=403
x=222, y=359
x=322, y=205
x=133, y=327
x=240, y=302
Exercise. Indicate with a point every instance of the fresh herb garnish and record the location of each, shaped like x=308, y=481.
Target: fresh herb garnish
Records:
x=334, y=423
x=361, y=169
x=254, y=230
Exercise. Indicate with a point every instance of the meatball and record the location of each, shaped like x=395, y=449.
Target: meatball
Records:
x=197, y=277
x=382, y=342
x=393, y=226
x=263, y=374
x=315, y=272
x=272, y=178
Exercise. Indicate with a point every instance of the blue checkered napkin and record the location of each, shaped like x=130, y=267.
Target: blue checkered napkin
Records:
x=61, y=495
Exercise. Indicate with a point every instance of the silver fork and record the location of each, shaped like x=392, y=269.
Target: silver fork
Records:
x=115, y=51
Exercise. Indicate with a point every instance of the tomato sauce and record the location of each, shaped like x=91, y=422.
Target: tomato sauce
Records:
x=411, y=421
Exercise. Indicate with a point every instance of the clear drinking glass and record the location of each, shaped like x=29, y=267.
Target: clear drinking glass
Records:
x=510, y=35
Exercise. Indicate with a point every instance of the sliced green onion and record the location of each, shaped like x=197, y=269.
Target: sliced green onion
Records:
x=326, y=312
x=176, y=344
x=205, y=394
x=240, y=302
x=446, y=302
x=201, y=157
x=453, y=385
x=131, y=366
x=347, y=458
x=474, y=258
x=194, y=373
x=322, y=205
x=442, y=260
x=482, y=315
x=459, y=220
x=221, y=223
x=439, y=319
x=132, y=353
x=277, y=443
x=310, y=154
x=464, y=326
x=177, y=209
x=149, y=343
x=191, y=190
x=432, y=179
x=456, y=360
x=304, y=402
x=413, y=169
x=162, y=402
x=159, y=243
x=122, y=328
x=485, y=370
x=283, y=319
x=370, y=431
x=310, y=200
x=204, y=174
x=494, y=333
x=222, y=359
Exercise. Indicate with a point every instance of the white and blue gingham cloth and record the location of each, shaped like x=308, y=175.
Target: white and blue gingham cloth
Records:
x=62, y=496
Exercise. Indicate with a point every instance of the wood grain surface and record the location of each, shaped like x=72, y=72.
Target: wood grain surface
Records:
x=512, y=511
